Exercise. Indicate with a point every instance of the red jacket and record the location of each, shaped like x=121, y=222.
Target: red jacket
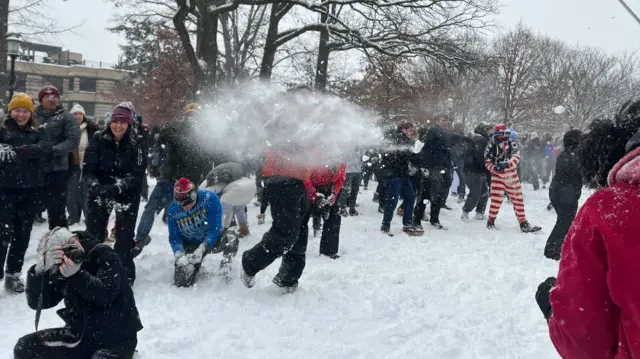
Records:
x=278, y=163
x=325, y=176
x=596, y=299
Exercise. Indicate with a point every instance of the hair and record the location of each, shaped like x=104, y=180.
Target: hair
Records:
x=438, y=116
x=604, y=145
x=406, y=124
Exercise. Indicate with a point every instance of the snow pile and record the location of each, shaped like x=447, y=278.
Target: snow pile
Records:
x=247, y=120
x=465, y=293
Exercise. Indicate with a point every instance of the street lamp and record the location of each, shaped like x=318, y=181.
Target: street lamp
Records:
x=13, y=50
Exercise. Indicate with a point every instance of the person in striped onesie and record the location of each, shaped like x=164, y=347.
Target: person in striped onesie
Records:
x=501, y=158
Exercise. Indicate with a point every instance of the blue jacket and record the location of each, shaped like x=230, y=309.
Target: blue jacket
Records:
x=203, y=223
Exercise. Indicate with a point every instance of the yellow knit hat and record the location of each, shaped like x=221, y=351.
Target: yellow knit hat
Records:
x=21, y=100
x=192, y=107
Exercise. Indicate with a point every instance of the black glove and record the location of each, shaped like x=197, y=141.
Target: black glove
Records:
x=110, y=191
x=542, y=296
x=94, y=189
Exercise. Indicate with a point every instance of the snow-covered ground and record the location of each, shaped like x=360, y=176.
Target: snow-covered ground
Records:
x=462, y=293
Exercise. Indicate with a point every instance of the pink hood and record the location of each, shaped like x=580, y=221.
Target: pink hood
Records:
x=627, y=170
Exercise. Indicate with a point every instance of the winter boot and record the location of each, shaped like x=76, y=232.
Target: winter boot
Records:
x=385, y=229
x=247, y=280
x=260, y=218
x=244, y=230
x=225, y=269
x=526, y=227
x=445, y=206
x=461, y=199
x=380, y=209
x=491, y=224
x=39, y=219
x=13, y=283
x=376, y=197
x=436, y=224
x=418, y=226
x=412, y=230
x=343, y=212
x=465, y=216
x=317, y=233
x=480, y=216
x=353, y=212
x=332, y=256
x=287, y=289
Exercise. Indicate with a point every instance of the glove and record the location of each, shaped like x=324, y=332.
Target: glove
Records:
x=412, y=170
x=425, y=172
x=501, y=166
x=95, y=190
x=181, y=259
x=110, y=191
x=542, y=296
x=197, y=255
x=332, y=199
x=68, y=267
x=7, y=154
x=51, y=258
x=319, y=200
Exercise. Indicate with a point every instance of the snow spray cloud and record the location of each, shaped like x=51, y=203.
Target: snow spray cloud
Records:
x=247, y=121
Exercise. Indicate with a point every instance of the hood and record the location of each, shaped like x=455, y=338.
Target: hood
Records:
x=627, y=170
x=482, y=129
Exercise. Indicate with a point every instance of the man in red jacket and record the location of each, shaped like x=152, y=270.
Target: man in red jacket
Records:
x=593, y=306
x=323, y=190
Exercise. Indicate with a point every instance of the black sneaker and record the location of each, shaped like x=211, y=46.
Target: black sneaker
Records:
x=437, y=225
x=526, y=227
x=491, y=224
x=39, y=219
x=13, y=283
x=332, y=256
x=412, y=230
x=385, y=229
x=343, y=212
x=287, y=288
x=444, y=206
x=353, y=212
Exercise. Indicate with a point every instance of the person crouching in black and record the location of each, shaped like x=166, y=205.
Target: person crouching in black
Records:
x=100, y=313
x=114, y=167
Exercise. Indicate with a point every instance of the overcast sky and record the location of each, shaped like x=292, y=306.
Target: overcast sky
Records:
x=598, y=23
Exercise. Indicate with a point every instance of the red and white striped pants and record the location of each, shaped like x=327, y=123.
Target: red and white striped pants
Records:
x=510, y=183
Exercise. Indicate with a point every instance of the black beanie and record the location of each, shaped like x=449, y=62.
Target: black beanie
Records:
x=633, y=143
x=571, y=139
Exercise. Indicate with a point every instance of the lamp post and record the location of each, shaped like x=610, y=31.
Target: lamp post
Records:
x=450, y=109
x=13, y=50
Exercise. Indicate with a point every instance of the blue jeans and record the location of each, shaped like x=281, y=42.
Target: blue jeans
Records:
x=161, y=196
x=395, y=188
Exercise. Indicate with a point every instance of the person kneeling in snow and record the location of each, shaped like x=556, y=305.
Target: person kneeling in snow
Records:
x=501, y=158
x=195, y=230
x=235, y=190
x=100, y=311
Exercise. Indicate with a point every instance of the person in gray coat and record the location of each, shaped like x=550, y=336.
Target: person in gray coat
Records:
x=62, y=130
x=349, y=193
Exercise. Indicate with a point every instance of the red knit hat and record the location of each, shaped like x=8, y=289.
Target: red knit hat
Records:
x=184, y=192
x=48, y=90
x=501, y=130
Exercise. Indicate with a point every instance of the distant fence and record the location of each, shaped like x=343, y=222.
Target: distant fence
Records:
x=87, y=63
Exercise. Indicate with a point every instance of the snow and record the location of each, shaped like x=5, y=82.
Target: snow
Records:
x=462, y=293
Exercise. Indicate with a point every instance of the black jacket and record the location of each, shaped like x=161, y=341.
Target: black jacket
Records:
x=474, y=154
x=436, y=152
x=183, y=156
x=567, y=177
x=396, y=158
x=32, y=151
x=107, y=162
x=92, y=127
x=63, y=132
x=99, y=304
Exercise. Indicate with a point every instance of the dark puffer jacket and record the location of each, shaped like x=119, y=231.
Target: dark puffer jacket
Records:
x=107, y=162
x=397, y=157
x=474, y=154
x=63, y=132
x=183, y=156
x=567, y=179
x=436, y=152
x=32, y=151
x=99, y=304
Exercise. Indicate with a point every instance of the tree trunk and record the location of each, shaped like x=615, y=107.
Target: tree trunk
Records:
x=322, y=65
x=4, y=78
x=183, y=33
x=208, y=49
x=270, y=47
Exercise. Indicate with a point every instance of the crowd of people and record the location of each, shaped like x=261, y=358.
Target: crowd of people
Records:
x=64, y=162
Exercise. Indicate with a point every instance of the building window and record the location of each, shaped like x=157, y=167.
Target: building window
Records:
x=87, y=85
x=21, y=83
x=72, y=83
x=56, y=81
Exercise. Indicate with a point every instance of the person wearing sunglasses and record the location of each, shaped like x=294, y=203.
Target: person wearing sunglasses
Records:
x=501, y=159
x=195, y=230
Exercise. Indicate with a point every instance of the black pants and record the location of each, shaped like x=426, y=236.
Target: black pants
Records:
x=462, y=186
x=565, y=202
x=478, y=192
x=447, y=181
x=289, y=232
x=366, y=177
x=33, y=346
x=55, y=198
x=349, y=193
x=381, y=190
x=227, y=244
x=435, y=189
x=330, y=239
x=126, y=208
x=18, y=207
x=77, y=195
